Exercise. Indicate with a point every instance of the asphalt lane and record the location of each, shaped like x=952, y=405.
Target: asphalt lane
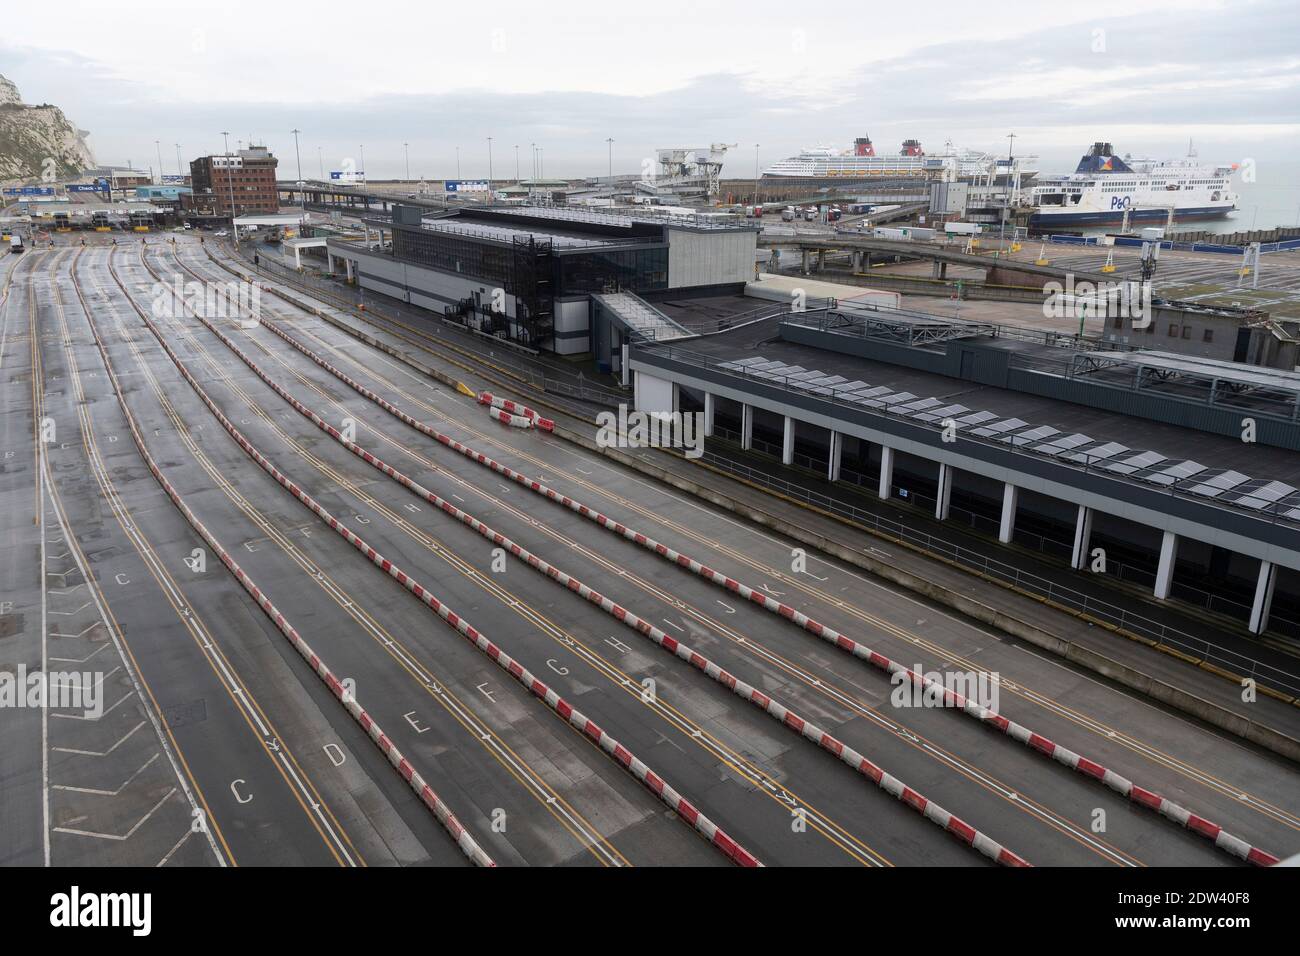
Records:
x=568, y=764
x=1251, y=814
x=528, y=786
x=22, y=818
x=259, y=801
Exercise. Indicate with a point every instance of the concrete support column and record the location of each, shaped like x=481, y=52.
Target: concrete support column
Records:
x=787, y=442
x=857, y=261
x=1165, y=571
x=833, y=459
x=886, y=471
x=944, y=495
x=708, y=414
x=806, y=262
x=1263, y=605
x=329, y=258
x=821, y=260
x=297, y=258
x=1082, y=535
x=746, y=427
x=1010, y=498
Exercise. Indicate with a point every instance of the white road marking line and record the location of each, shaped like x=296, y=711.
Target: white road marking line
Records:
x=95, y=753
x=109, y=793
x=129, y=833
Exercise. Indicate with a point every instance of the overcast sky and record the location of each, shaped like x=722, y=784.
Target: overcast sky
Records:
x=1146, y=75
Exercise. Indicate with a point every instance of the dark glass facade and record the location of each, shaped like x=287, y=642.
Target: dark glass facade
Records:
x=489, y=262
x=575, y=273
x=631, y=270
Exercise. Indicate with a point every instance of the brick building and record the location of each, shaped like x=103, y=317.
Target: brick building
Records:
x=248, y=177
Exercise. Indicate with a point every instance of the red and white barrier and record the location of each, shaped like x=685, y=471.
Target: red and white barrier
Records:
x=1122, y=785
x=441, y=811
x=774, y=708
x=624, y=757
x=515, y=408
x=506, y=418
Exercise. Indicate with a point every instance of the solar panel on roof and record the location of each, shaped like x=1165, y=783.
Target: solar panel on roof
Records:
x=1226, y=485
x=1129, y=465
x=1109, y=450
x=1031, y=436
x=911, y=408
x=1001, y=427
x=1217, y=484
x=1267, y=494
x=977, y=418
x=1174, y=473
x=876, y=399
x=938, y=414
x=897, y=398
x=1058, y=446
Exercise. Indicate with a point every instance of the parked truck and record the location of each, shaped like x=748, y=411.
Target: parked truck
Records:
x=15, y=243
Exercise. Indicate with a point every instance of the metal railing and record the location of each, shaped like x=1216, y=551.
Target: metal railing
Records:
x=1059, y=594
x=1079, y=462
x=1024, y=538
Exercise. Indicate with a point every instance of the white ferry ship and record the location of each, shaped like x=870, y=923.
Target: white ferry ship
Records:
x=1104, y=187
x=818, y=162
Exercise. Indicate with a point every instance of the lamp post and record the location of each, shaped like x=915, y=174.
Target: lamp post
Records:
x=458, y=162
x=230, y=180
x=362, y=147
x=516, y=164
x=320, y=160
x=610, y=140
x=158, y=146
x=756, y=174
x=179, y=168
x=489, y=139
x=406, y=147
x=1006, y=199
x=302, y=195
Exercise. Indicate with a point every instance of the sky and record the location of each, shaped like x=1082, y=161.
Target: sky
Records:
x=361, y=79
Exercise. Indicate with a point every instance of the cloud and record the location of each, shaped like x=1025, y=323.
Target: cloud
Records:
x=1228, y=75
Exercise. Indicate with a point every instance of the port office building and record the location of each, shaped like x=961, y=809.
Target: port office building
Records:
x=1185, y=471
x=531, y=274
